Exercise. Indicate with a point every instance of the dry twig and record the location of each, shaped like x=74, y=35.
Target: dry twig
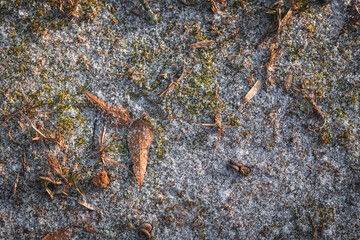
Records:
x=172, y=85
x=218, y=124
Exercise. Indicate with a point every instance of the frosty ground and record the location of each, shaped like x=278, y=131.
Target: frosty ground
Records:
x=306, y=176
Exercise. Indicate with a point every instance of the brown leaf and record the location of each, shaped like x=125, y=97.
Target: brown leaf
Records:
x=119, y=116
x=60, y=234
x=252, y=91
x=201, y=44
x=101, y=179
x=140, y=137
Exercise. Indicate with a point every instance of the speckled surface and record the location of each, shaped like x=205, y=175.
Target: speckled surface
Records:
x=113, y=52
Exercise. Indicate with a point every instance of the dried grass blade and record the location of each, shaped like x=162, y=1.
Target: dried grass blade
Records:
x=78, y=189
x=252, y=91
x=37, y=130
x=54, y=163
x=53, y=181
x=173, y=84
x=49, y=192
x=117, y=163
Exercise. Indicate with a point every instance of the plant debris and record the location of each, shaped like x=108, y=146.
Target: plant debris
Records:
x=139, y=138
x=103, y=150
x=218, y=122
x=59, y=175
x=85, y=204
x=354, y=19
x=148, y=11
x=252, y=92
x=145, y=230
x=101, y=179
x=202, y=44
x=241, y=168
x=172, y=85
x=119, y=116
x=215, y=7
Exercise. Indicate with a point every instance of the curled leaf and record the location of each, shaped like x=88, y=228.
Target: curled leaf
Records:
x=119, y=116
x=139, y=139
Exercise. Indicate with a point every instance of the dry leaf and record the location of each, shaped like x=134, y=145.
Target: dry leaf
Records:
x=85, y=204
x=60, y=234
x=101, y=179
x=252, y=91
x=201, y=44
x=119, y=116
x=140, y=137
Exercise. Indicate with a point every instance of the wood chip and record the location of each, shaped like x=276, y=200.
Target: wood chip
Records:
x=201, y=44
x=252, y=91
x=139, y=138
